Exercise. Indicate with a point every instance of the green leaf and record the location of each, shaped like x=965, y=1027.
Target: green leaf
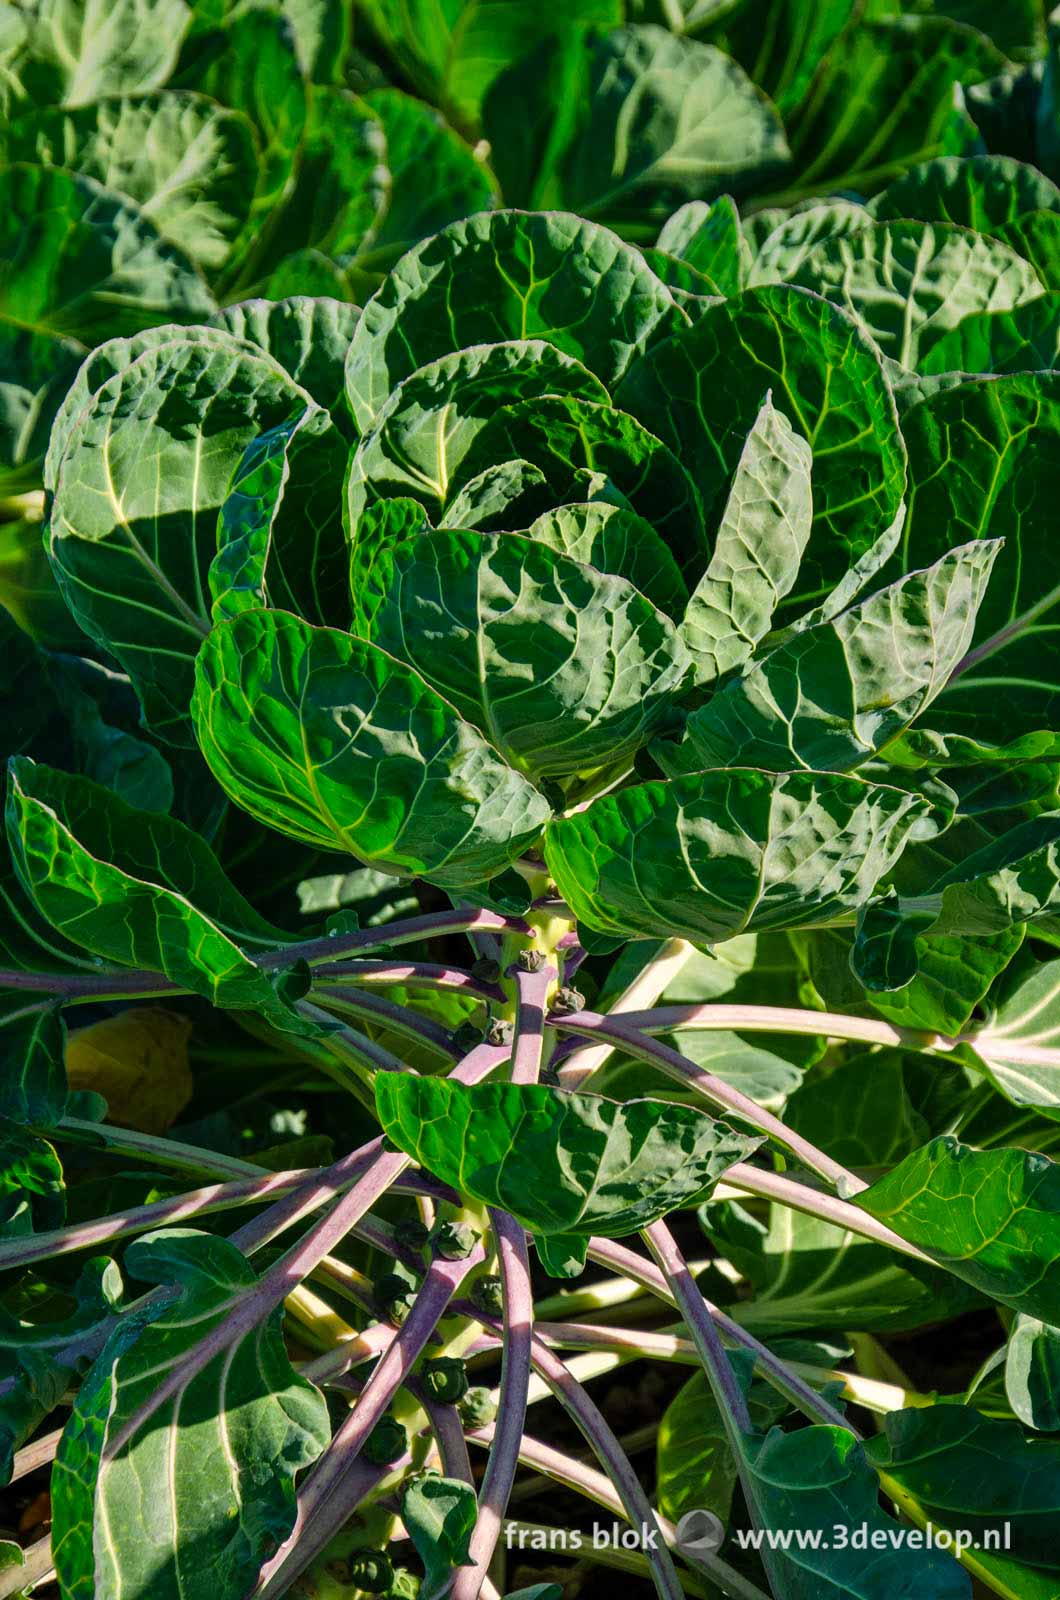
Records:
x=203, y=1491
x=757, y=550
x=1024, y=339
x=859, y=1112
x=979, y=192
x=883, y=100
x=911, y=282
x=188, y=163
x=781, y=253
x=711, y=855
x=506, y=275
x=992, y=1217
x=279, y=534
x=975, y=1472
x=562, y=1255
x=561, y=667
x=559, y=1162
x=1019, y=1046
x=32, y=1077
x=430, y=423
x=308, y=337
x=440, y=1515
x=73, y=60
x=418, y=140
x=818, y=1477
x=135, y=887
x=1032, y=1373
x=702, y=390
x=615, y=540
x=343, y=747
x=778, y=43
x=38, y=368
x=85, y=263
x=696, y=1469
x=709, y=239
x=32, y=1191
x=1002, y=434
x=835, y=694
x=133, y=525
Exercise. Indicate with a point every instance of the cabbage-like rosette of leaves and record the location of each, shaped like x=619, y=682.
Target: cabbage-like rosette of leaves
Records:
x=563, y=668
x=709, y=855
x=430, y=422
x=327, y=738
x=561, y=1163
x=503, y=275
x=701, y=390
x=579, y=445
x=133, y=527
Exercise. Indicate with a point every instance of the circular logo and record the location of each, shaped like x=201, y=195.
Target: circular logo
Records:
x=700, y=1533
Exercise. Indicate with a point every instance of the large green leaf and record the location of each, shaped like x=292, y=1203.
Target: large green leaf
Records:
x=709, y=239
x=73, y=53
x=695, y=1466
x=188, y=163
x=710, y=855
x=507, y=275
x=780, y=254
x=983, y=461
x=32, y=1079
x=1019, y=1045
x=561, y=667
x=701, y=391
x=1026, y=339
x=757, y=550
x=779, y=43
x=1032, y=1373
x=135, y=887
x=979, y=192
x=202, y=1492
x=308, y=336
x=911, y=282
x=279, y=535
x=975, y=1472
x=143, y=476
x=991, y=1216
x=835, y=694
x=614, y=539
x=332, y=741
x=559, y=1162
x=430, y=422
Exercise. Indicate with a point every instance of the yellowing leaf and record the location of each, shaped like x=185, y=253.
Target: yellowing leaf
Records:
x=138, y=1061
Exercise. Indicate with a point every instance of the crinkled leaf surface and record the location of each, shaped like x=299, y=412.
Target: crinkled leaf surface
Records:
x=701, y=390
x=203, y=1492
x=309, y=337
x=709, y=239
x=330, y=739
x=559, y=1162
x=507, y=275
x=980, y=192
x=615, y=539
x=992, y=1217
x=440, y=1515
x=713, y=854
x=561, y=667
x=835, y=694
x=78, y=53
x=134, y=523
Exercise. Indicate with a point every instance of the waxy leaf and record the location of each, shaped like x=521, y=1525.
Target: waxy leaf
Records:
x=979, y=192
x=709, y=239
x=75, y=60
x=835, y=694
x=614, y=539
x=508, y=275
x=32, y=1079
x=992, y=1217
x=1026, y=339
x=431, y=420
x=911, y=282
x=203, y=1491
x=309, y=337
x=975, y=1472
x=331, y=740
x=781, y=253
x=710, y=855
x=440, y=1515
x=1019, y=1046
x=758, y=548
x=701, y=391
x=134, y=524
x=561, y=667
x=1032, y=1373
x=559, y=1162
x=135, y=887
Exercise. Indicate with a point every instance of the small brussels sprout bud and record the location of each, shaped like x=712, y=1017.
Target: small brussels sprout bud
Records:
x=411, y=1234
x=467, y=1036
x=372, y=1571
x=486, y=969
x=386, y=1442
x=395, y=1294
x=478, y=1408
x=567, y=1000
x=454, y=1241
x=500, y=1032
x=488, y=1295
x=445, y=1379
x=530, y=960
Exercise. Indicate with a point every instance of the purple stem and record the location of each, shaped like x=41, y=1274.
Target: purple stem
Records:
x=399, y=1018
x=448, y=1433
x=37, y=1454
x=250, y=1307
x=351, y=1043
x=531, y=995
x=591, y=1422
x=700, y=1324
x=800, y=1197
x=404, y=932
x=334, y=1487
x=503, y=1463
x=610, y=1253
x=95, y=986
x=415, y=975
x=638, y=1044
